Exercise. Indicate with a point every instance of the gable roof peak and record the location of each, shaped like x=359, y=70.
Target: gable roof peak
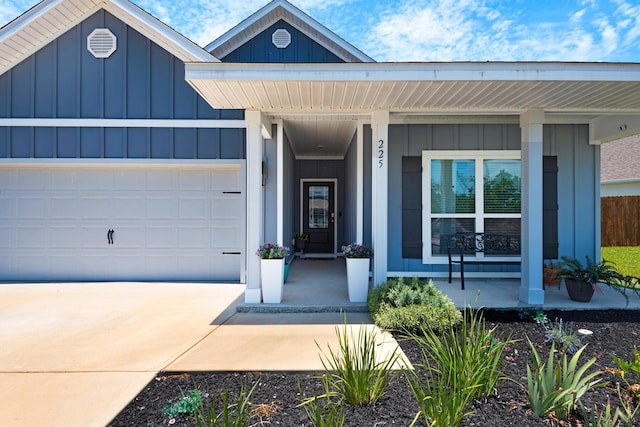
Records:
x=277, y=10
x=49, y=19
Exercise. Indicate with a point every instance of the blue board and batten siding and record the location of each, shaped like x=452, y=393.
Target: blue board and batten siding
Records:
x=577, y=179
x=140, y=80
x=260, y=49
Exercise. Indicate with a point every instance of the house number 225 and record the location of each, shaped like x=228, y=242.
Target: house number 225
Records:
x=381, y=151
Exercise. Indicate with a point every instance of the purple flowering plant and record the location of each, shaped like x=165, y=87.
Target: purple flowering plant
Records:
x=272, y=251
x=357, y=250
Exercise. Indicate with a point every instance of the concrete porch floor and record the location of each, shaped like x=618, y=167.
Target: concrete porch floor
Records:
x=320, y=285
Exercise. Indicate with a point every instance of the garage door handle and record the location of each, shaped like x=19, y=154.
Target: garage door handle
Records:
x=110, y=236
x=232, y=192
x=231, y=253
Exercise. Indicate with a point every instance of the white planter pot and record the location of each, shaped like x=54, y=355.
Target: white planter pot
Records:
x=272, y=276
x=358, y=279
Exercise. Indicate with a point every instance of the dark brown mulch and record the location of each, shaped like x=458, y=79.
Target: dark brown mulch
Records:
x=279, y=393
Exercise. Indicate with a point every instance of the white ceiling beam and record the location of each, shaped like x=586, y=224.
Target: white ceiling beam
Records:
x=608, y=128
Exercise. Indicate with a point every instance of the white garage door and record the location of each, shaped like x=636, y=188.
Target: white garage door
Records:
x=169, y=223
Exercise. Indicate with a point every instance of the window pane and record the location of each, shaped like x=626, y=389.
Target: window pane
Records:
x=318, y=206
x=441, y=228
x=502, y=186
x=453, y=186
x=504, y=226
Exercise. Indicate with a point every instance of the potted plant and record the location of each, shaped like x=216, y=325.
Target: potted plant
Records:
x=582, y=280
x=549, y=276
x=301, y=241
x=357, y=256
x=272, y=257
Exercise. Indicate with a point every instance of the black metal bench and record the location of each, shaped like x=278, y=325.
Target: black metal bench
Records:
x=495, y=248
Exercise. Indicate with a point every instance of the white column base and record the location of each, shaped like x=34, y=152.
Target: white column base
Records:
x=252, y=296
x=531, y=296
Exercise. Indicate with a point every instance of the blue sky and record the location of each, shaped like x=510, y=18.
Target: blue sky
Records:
x=432, y=30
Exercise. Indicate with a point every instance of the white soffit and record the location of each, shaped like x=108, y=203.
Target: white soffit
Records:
x=436, y=88
x=272, y=13
x=49, y=19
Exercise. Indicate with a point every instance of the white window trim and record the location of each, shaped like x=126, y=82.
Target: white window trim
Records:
x=479, y=157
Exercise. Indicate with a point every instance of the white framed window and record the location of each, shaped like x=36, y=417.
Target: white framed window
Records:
x=467, y=192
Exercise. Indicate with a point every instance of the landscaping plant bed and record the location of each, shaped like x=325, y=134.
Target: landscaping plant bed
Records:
x=276, y=398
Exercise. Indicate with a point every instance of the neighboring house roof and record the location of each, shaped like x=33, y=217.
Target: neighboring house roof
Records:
x=51, y=18
x=620, y=160
x=283, y=10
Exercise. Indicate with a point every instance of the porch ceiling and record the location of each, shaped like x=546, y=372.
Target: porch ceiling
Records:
x=582, y=91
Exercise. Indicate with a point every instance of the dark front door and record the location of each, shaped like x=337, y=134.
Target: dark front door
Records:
x=318, y=216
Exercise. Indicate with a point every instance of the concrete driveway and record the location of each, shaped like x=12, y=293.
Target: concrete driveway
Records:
x=76, y=354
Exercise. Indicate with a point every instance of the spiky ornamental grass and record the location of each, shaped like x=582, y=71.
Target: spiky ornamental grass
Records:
x=355, y=372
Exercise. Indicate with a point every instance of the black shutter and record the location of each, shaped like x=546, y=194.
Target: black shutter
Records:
x=412, y=207
x=550, y=207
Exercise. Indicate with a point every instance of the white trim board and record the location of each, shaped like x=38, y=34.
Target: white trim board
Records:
x=124, y=123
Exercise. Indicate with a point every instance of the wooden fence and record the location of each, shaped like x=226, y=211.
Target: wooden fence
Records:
x=620, y=221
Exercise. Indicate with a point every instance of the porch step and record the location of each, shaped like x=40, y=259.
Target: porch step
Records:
x=299, y=308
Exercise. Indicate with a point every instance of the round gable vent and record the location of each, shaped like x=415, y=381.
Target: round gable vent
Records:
x=101, y=43
x=281, y=38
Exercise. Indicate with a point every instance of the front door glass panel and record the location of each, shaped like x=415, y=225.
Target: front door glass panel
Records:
x=319, y=207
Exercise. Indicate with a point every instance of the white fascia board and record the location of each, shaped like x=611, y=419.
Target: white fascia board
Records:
x=298, y=14
x=124, y=123
x=463, y=71
x=147, y=24
x=27, y=18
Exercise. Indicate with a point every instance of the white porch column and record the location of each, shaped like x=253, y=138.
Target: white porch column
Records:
x=254, y=204
x=360, y=182
x=531, y=291
x=379, y=212
x=280, y=184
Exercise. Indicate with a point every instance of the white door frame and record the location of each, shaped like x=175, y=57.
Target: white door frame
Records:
x=335, y=208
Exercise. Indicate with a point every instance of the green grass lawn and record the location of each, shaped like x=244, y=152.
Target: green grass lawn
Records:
x=625, y=258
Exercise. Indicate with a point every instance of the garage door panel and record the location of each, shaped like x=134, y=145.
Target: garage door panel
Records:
x=93, y=208
x=31, y=179
x=7, y=237
x=128, y=208
x=92, y=236
x=31, y=237
x=225, y=208
x=65, y=207
x=225, y=266
x=161, y=237
x=193, y=238
x=225, y=238
x=63, y=237
x=161, y=208
x=162, y=182
x=225, y=180
x=63, y=178
x=192, y=208
x=193, y=180
x=7, y=206
x=170, y=222
x=31, y=208
x=127, y=179
x=129, y=237
x=98, y=180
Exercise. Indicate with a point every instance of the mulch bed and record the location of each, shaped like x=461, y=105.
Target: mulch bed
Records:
x=278, y=393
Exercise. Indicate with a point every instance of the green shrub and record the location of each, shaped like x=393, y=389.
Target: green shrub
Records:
x=412, y=306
